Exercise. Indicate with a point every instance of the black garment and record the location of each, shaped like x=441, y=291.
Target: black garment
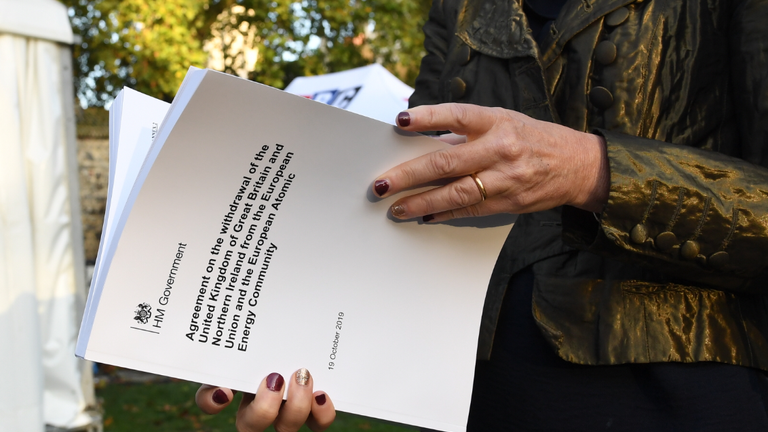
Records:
x=525, y=386
x=541, y=14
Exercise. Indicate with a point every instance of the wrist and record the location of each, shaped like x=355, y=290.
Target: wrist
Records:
x=596, y=177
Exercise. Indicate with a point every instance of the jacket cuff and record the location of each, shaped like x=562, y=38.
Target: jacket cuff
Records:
x=692, y=214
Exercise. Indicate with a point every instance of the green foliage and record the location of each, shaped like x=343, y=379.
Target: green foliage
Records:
x=354, y=32
x=146, y=44
x=149, y=44
x=170, y=406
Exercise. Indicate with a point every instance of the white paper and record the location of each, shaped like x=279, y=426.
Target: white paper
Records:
x=135, y=131
x=411, y=294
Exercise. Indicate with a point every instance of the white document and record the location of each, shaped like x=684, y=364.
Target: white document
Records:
x=246, y=240
x=135, y=131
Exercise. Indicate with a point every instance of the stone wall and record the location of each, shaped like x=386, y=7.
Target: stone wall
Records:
x=93, y=163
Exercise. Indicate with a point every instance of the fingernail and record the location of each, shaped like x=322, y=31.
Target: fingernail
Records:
x=427, y=218
x=404, y=119
x=275, y=382
x=302, y=376
x=320, y=399
x=398, y=210
x=220, y=397
x=381, y=187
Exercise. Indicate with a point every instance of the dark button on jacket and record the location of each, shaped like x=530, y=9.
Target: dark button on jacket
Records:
x=605, y=53
x=719, y=260
x=617, y=17
x=458, y=88
x=666, y=241
x=601, y=97
x=464, y=56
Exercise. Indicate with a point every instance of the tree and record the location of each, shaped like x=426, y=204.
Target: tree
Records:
x=356, y=32
x=149, y=44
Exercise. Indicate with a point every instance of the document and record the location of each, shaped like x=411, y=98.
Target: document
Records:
x=242, y=238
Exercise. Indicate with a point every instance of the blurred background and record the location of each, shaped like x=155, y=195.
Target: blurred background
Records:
x=61, y=65
x=149, y=44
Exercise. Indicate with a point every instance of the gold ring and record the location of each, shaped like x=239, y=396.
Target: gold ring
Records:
x=480, y=186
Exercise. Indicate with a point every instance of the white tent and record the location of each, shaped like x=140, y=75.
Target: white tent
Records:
x=369, y=90
x=41, y=254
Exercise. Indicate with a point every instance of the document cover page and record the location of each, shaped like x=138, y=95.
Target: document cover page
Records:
x=254, y=245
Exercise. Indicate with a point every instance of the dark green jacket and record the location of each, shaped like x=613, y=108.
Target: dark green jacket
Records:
x=676, y=268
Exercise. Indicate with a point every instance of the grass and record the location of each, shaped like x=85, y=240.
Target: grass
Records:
x=169, y=406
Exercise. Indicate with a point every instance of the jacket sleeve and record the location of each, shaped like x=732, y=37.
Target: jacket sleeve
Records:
x=693, y=214
x=436, y=39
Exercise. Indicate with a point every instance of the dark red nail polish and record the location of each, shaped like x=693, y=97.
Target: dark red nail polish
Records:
x=381, y=187
x=403, y=119
x=220, y=397
x=427, y=218
x=275, y=382
x=320, y=399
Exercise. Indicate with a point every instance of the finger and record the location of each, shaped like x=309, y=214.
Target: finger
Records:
x=323, y=412
x=298, y=404
x=462, y=192
x=258, y=411
x=457, y=161
x=212, y=400
x=462, y=119
x=485, y=208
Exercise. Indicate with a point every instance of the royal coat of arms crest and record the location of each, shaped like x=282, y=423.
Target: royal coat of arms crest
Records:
x=143, y=313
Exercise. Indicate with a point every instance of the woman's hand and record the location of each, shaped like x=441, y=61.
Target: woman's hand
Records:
x=266, y=407
x=523, y=165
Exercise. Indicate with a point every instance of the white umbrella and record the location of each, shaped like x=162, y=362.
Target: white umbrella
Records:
x=369, y=90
